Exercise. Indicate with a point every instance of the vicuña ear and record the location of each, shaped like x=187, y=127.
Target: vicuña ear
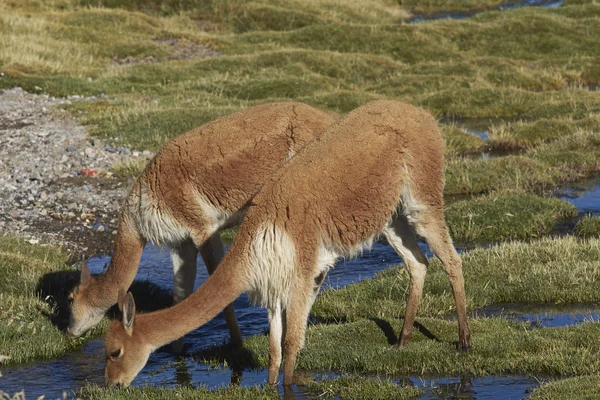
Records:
x=121, y=298
x=128, y=313
x=86, y=275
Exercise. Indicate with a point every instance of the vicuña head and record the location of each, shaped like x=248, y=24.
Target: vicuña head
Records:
x=198, y=184
x=123, y=365
x=84, y=315
x=379, y=171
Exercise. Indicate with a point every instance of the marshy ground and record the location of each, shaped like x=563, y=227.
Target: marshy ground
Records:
x=515, y=91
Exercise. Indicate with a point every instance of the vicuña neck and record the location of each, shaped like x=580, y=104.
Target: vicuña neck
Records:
x=222, y=288
x=124, y=264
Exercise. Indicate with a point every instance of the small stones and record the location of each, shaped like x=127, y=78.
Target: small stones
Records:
x=54, y=179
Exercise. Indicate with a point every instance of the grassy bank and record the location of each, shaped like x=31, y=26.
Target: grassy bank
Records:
x=27, y=330
x=580, y=388
x=549, y=271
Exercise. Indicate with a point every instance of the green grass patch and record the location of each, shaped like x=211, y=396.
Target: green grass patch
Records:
x=150, y=393
x=358, y=387
x=588, y=227
x=521, y=134
x=547, y=271
x=543, y=167
x=578, y=388
x=499, y=346
x=502, y=217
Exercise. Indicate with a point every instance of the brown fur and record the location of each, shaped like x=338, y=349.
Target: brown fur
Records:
x=221, y=164
x=379, y=170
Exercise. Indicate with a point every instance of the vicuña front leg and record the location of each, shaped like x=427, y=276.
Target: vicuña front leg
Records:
x=275, y=336
x=184, y=274
x=212, y=252
x=401, y=237
x=301, y=295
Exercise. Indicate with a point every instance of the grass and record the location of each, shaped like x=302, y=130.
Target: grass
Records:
x=346, y=387
x=541, y=168
x=580, y=388
x=547, y=271
x=150, y=393
x=503, y=217
x=588, y=227
x=358, y=387
x=526, y=134
x=129, y=167
x=499, y=346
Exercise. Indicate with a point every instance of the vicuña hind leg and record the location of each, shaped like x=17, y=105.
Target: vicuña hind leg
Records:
x=430, y=225
x=212, y=252
x=401, y=237
x=184, y=274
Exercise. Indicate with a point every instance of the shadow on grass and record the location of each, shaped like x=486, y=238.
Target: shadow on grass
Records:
x=54, y=288
x=388, y=331
x=237, y=358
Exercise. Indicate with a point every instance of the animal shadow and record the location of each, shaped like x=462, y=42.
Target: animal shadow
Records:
x=238, y=358
x=388, y=331
x=54, y=288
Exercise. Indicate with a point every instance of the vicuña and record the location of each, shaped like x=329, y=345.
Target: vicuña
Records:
x=197, y=185
x=380, y=170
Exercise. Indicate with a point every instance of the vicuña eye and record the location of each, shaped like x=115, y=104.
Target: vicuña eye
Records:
x=115, y=354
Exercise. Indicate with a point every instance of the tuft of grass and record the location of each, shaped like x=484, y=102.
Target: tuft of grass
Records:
x=459, y=142
x=129, y=167
x=498, y=347
x=502, y=217
x=578, y=388
x=357, y=387
x=546, y=271
x=588, y=227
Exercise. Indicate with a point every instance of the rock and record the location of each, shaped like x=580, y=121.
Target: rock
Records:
x=88, y=172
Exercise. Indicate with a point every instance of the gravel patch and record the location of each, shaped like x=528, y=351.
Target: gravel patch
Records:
x=55, y=183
